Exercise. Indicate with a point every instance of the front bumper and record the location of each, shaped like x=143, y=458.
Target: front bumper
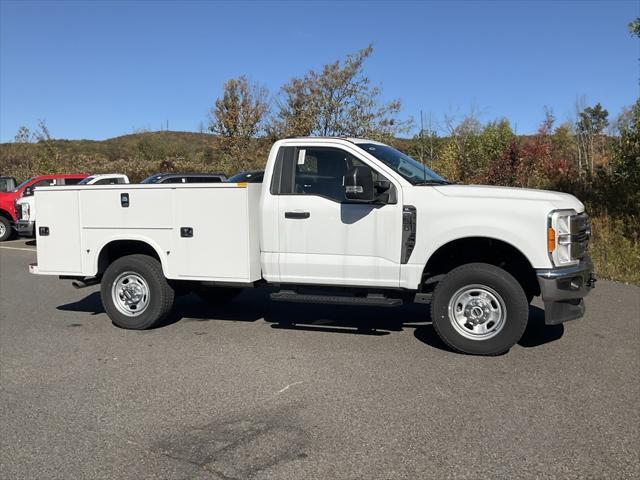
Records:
x=25, y=228
x=563, y=289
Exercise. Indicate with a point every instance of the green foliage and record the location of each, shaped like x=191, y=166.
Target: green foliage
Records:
x=593, y=120
x=626, y=161
x=634, y=27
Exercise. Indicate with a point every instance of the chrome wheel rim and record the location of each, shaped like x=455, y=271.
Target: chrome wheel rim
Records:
x=130, y=294
x=477, y=312
x=3, y=229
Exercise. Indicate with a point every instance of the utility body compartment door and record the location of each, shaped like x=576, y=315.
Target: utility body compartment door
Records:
x=217, y=233
x=59, y=250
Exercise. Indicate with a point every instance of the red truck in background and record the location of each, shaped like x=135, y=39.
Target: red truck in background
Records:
x=7, y=199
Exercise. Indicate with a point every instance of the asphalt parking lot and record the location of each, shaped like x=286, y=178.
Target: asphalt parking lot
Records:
x=258, y=390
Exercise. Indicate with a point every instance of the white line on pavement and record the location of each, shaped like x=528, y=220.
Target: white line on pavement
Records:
x=18, y=248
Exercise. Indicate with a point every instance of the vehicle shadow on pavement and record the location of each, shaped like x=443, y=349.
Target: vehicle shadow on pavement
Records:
x=254, y=305
x=363, y=320
x=536, y=333
x=89, y=304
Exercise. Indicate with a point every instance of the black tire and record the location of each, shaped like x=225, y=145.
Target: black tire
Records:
x=499, y=282
x=216, y=296
x=160, y=294
x=6, y=229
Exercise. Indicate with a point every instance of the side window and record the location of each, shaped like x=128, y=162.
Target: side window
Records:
x=43, y=183
x=105, y=181
x=321, y=171
x=174, y=180
x=204, y=180
x=72, y=181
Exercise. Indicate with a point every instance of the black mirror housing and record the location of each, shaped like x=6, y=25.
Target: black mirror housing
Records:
x=27, y=192
x=358, y=184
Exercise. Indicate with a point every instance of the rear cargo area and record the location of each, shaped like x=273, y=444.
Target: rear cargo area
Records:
x=207, y=232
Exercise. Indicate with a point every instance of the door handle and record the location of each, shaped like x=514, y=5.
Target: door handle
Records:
x=299, y=215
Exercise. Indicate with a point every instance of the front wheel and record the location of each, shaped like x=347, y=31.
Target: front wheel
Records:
x=5, y=229
x=479, y=309
x=135, y=292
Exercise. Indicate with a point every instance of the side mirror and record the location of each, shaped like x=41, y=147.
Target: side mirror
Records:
x=358, y=184
x=27, y=192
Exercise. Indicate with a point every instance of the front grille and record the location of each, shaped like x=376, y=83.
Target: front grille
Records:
x=19, y=212
x=580, y=234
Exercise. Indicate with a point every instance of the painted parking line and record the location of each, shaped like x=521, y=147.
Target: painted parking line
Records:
x=18, y=248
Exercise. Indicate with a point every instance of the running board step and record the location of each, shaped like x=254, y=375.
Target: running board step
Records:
x=377, y=300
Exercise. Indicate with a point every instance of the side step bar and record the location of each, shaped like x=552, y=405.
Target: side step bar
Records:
x=377, y=300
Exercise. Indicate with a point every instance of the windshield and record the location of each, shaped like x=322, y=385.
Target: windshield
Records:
x=152, y=179
x=21, y=185
x=411, y=170
x=251, y=177
x=85, y=181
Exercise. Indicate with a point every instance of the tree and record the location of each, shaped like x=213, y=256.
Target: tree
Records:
x=591, y=121
x=238, y=117
x=626, y=161
x=634, y=27
x=23, y=135
x=339, y=100
x=241, y=110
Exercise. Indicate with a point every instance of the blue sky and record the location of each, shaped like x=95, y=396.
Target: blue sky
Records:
x=101, y=69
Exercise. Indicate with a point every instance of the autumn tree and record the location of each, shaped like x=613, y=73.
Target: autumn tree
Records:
x=238, y=117
x=338, y=100
x=241, y=110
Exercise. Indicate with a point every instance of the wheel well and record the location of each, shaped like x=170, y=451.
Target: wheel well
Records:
x=119, y=248
x=485, y=250
x=5, y=214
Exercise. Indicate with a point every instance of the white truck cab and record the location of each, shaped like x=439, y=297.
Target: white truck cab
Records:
x=336, y=220
x=26, y=205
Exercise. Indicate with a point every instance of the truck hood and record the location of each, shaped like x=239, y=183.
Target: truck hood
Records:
x=557, y=199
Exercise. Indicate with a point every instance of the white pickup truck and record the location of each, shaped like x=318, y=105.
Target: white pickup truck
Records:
x=336, y=220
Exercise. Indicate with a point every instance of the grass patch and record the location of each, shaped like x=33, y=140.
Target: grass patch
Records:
x=615, y=249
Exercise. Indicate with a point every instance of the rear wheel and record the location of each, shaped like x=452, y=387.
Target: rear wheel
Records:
x=135, y=293
x=5, y=229
x=479, y=309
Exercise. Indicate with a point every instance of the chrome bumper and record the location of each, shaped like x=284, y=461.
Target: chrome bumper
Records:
x=563, y=290
x=25, y=228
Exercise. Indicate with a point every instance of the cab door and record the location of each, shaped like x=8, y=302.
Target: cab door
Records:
x=325, y=239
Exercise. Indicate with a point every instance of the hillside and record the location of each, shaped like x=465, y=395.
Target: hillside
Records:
x=138, y=155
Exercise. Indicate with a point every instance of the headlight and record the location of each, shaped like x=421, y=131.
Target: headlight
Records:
x=568, y=235
x=26, y=211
